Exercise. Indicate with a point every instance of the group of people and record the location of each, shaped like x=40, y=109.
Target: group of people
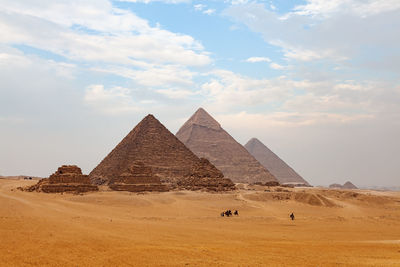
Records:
x=228, y=213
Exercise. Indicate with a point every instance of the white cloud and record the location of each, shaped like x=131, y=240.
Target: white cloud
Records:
x=264, y=121
x=258, y=59
x=115, y=100
x=362, y=8
x=228, y=90
x=154, y=75
x=341, y=38
x=311, y=101
x=276, y=66
x=209, y=11
x=176, y=94
x=11, y=57
x=162, y=1
x=272, y=6
x=199, y=7
x=120, y=36
x=14, y=59
x=239, y=2
x=302, y=54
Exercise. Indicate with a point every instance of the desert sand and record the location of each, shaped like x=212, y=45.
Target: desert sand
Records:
x=184, y=228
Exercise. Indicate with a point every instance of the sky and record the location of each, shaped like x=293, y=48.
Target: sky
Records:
x=316, y=81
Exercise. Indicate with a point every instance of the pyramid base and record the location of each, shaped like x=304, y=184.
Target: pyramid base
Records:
x=61, y=188
x=206, y=183
x=139, y=187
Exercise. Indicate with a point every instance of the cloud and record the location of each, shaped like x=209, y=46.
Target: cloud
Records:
x=228, y=91
x=96, y=32
x=342, y=39
x=199, y=7
x=287, y=119
x=162, y=1
x=176, y=94
x=113, y=101
x=311, y=101
x=272, y=65
x=11, y=57
x=155, y=75
x=362, y=8
x=238, y=2
x=209, y=11
x=258, y=59
x=276, y=66
x=14, y=59
x=203, y=8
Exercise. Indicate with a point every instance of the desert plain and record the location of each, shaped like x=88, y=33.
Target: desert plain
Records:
x=184, y=228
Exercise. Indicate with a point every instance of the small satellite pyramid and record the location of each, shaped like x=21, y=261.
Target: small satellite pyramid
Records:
x=151, y=157
x=205, y=137
x=283, y=172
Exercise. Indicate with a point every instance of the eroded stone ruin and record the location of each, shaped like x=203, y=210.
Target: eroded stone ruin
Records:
x=206, y=138
x=151, y=158
x=68, y=178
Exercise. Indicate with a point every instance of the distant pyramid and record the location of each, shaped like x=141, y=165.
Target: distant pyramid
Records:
x=346, y=185
x=206, y=138
x=151, y=155
x=349, y=185
x=283, y=172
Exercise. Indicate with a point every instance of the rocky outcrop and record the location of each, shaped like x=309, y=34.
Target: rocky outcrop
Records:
x=283, y=172
x=151, y=156
x=205, y=137
x=68, y=178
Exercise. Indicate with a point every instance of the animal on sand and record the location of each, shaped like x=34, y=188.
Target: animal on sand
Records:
x=228, y=213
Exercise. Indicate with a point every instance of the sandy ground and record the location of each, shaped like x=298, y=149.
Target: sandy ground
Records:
x=332, y=228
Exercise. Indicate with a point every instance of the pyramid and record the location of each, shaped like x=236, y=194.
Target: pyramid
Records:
x=151, y=158
x=346, y=185
x=205, y=137
x=68, y=178
x=283, y=172
x=349, y=185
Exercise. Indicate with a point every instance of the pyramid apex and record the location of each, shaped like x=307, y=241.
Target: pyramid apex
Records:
x=150, y=116
x=203, y=118
x=253, y=140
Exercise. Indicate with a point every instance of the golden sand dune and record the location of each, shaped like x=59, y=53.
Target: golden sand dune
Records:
x=332, y=228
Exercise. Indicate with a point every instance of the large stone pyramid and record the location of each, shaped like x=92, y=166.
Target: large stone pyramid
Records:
x=149, y=157
x=206, y=138
x=283, y=172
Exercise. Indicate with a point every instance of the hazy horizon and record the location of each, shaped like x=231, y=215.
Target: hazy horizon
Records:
x=317, y=82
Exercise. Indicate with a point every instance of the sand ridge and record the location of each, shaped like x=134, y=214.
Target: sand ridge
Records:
x=182, y=228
